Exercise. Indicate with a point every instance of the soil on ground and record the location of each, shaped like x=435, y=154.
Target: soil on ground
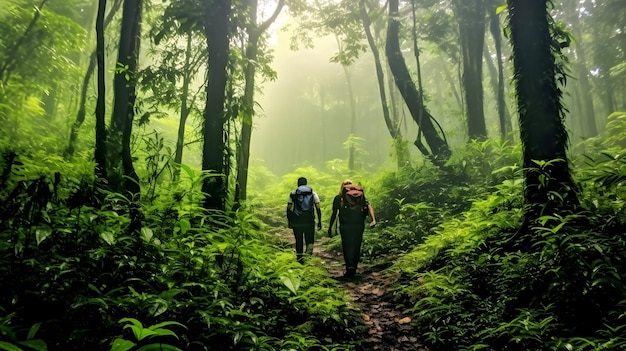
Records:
x=388, y=328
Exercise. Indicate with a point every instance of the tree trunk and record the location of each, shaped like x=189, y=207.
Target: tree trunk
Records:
x=392, y=125
x=352, y=101
x=504, y=116
x=80, y=115
x=471, y=16
x=124, y=85
x=184, y=109
x=100, y=148
x=582, y=75
x=543, y=135
x=216, y=29
x=243, y=153
x=7, y=67
x=439, y=152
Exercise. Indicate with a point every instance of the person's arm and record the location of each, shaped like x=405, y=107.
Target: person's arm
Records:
x=288, y=211
x=370, y=209
x=333, y=217
x=318, y=210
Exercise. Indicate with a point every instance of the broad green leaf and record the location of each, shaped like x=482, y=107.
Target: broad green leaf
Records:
x=184, y=224
x=291, y=283
x=108, y=237
x=122, y=345
x=159, y=347
x=42, y=233
x=157, y=307
x=33, y=330
x=166, y=323
x=8, y=347
x=147, y=234
x=38, y=345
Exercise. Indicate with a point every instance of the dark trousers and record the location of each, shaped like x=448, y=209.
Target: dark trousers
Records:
x=304, y=233
x=351, y=240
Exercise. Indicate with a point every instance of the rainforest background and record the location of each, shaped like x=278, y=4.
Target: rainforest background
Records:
x=148, y=149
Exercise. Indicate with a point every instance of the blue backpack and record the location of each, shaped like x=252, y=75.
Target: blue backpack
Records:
x=303, y=204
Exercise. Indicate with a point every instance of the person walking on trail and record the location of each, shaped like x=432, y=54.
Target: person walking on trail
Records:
x=352, y=208
x=302, y=204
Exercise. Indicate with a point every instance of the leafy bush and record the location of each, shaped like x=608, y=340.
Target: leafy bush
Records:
x=76, y=259
x=481, y=284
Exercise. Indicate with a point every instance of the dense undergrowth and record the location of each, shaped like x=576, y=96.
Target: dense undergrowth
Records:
x=480, y=283
x=82, y=268
x=85, y=269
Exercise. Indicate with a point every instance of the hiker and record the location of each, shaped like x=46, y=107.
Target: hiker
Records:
x=300, y=207
x=352, y=207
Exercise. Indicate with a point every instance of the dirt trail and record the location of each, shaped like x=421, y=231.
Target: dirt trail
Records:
x=389, y=329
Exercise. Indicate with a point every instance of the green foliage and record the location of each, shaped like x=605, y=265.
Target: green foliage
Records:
x=9, y=340
x=77, y=259
x=480, y=283
x=141, y=334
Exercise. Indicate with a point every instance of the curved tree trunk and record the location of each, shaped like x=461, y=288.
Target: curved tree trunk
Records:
x=437, y=151
x=216, y=29
x=392, y=125
x=543, y=135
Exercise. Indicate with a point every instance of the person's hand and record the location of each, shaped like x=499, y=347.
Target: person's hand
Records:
x=319, y=225
x=373, y=224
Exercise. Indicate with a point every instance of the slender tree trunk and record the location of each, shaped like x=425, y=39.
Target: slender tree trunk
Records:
x=184, y=109
x=216, y=29
x=582, y=75
x=80, y=115
x=6, y=67
x=392, y=126
x=352, y=102
x=252, y=49
x=439, y=152
x=504, y=116
x=543, y=135
x=124, y=86
x=100, y=148
x=471, y=15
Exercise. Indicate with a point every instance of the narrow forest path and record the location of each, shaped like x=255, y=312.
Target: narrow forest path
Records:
x=389, y=329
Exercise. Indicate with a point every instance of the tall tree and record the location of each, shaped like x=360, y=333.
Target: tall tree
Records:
x=548, y=183
x=392, y=124
x=254, y=31
x=503, y=112
x=170, y=77
x=124, y=92
x=471, y=17
x=438, y=151
x=581, y=71
x=82, y=111
x=7, y=65
x=216, y=28
x=100, y=147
